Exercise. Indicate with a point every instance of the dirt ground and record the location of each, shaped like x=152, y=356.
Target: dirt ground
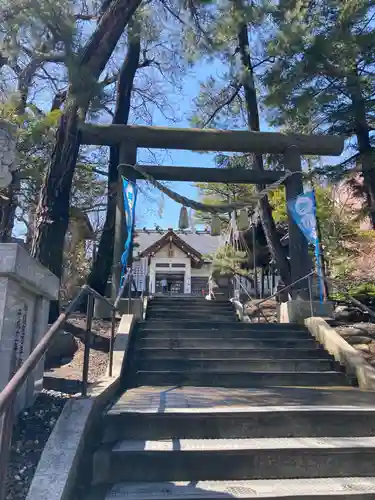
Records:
x=61, y=382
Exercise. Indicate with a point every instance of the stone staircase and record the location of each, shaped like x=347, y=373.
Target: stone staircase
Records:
x=201, y=343
x=215, y=408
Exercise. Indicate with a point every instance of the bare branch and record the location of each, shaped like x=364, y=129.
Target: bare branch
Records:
x=176, y=16
x=146, y=63
x=109, y=80
x=109, y=111
x=267, y=59
x=222, y=105
x=58, y=100
x=86, y=17
x=40, y=57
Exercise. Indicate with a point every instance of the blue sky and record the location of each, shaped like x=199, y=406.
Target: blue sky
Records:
x=147, y=213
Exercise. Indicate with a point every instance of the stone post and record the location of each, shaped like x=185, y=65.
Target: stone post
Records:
x=26, y=287
x=187, y=279
x=300, y=262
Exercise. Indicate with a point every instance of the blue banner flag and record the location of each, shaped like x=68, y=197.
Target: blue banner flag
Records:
x=303, y=211
x=129, y=190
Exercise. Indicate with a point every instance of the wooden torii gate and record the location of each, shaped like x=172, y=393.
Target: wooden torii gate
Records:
x=130, y=137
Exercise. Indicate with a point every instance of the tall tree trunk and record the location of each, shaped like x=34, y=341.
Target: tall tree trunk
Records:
x=52, y=218
x=8, y=205
x=265, y=212
x=104, y=259
x=262, y=282
x=9, y=202
x=366, y=151
x=53, y=209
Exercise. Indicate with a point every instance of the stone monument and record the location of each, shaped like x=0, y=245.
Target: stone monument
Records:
x=26, y=288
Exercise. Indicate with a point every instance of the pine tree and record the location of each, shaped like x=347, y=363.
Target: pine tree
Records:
x=212, y=193
x=152, y=50
x=87, y=63
x=233, y=32
x=228, y=261
x=323, y=77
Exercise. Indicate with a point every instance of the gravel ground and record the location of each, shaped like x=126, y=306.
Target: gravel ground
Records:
x=30, y=435
x=100, y=327
x=268, y=310
x=361, y=336
x=67, y=376
x=34, y=425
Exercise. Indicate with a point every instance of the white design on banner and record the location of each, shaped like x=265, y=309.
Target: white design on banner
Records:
x=304, y=205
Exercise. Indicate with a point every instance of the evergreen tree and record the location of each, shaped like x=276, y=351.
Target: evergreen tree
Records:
x=220, y=193
x=227, y=261
x=233, y=32
x=323, y=77
x=152, y=64
x=340, y=236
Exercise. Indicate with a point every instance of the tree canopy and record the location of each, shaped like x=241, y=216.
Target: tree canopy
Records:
x=290, y=65
x=322, y=79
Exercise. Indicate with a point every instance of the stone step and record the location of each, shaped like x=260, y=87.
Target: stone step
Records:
x=237, y=379
x=187, y=308
x=189, y=300
x=231, y=353
x=224, y=320
x=191, y=312
x=177, y=333
x=230, y=459
x=191, y=307
x=186, y=315
x=222, y=365
x=199, y=324
x=340, y=488
x=208, y=304
x=232, y=343
x=239, y=422
x=191, y=303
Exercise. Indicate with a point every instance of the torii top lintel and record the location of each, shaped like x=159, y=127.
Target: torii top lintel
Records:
x=242, y=141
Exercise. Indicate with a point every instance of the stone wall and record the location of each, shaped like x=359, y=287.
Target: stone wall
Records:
x=362, y=337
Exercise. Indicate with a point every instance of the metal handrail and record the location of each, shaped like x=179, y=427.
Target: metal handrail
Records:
x=329, y=281
x=245, y=290
x=9, y=393
x=18, y=379
x=287, y=287
x=248, y=294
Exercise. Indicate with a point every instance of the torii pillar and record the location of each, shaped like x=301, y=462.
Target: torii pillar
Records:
x=127, y=155
x=300, y=261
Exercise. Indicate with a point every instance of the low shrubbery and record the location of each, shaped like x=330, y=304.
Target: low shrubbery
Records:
x=365, y=292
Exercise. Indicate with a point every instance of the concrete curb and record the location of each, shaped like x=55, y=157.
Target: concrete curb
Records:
x=120, y=349
x=102, y=309
x=343, y=352
x=55, y=476
x=296, y=311
x=146, y=300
